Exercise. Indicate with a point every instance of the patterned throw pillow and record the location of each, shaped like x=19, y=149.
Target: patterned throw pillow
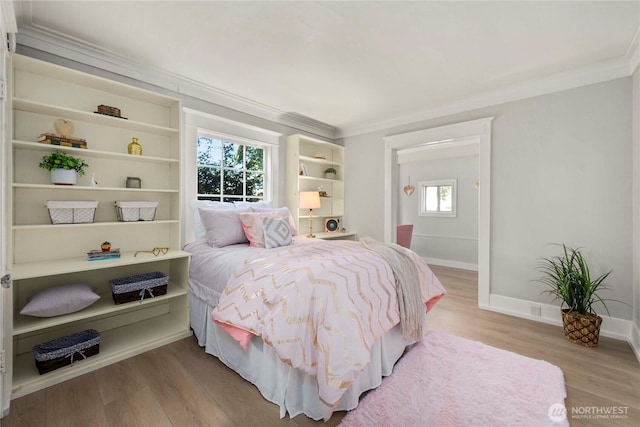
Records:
x=276, y=232
x=253, y=228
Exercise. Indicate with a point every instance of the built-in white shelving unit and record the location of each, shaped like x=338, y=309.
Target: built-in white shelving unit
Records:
x=43, y=255
x=307, y=160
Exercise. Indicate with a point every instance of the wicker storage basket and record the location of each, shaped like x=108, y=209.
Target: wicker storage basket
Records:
x=136, y=211
x=139, y=287
x=583, y=329
x=66, y=350
x=71, y=212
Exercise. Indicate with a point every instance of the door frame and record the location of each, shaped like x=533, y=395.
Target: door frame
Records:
x=481, y=129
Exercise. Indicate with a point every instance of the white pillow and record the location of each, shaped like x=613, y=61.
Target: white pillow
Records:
x=262, y=204
x=283, y=212
x=276, y=232
x=198, y=229
x=60, y=300
x=223, y=226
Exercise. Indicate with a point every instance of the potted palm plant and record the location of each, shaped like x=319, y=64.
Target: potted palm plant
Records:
x=64, y=167
x=569, y=280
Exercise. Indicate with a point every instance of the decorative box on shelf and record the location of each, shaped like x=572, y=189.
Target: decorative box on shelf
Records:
x=139, y=287
x=66, y=350
x=71, y=211
x=136, y=211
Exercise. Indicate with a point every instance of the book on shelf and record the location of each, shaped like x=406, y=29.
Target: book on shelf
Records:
x=53, y=139
x=98, y=254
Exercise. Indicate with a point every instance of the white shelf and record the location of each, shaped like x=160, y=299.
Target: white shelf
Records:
x=308, y=159
x=105, y=305
x=115, y=345
x=43, y=255
x=31, y=270
x=315, y=178
x=36, y=146
x=98, y=188
x=317, y=156
x=336, y=236
x=95, y=224
x=100, y=119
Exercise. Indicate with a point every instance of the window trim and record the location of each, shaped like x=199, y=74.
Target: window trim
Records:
x=266, y=167
x=422, y=186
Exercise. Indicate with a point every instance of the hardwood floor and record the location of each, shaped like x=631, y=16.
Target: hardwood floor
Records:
x=180, y=385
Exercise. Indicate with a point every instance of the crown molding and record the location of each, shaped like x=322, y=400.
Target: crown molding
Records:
x=594, y=73
x=39, y=38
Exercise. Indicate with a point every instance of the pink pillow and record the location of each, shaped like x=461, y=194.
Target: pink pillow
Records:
x=253, y=228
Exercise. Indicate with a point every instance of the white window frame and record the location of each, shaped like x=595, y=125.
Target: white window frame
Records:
x=196, y=121
x=422, y=206
x=266, y=158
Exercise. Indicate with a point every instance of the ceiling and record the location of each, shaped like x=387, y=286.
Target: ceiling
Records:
x=352, y=65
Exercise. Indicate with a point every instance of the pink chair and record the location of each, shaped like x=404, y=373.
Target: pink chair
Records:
x=403, y=235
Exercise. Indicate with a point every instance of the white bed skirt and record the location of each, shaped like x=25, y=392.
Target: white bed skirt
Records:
x=291, y=389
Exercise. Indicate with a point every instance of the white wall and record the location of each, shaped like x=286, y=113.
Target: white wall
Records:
x=451, y=241
x=561, y=172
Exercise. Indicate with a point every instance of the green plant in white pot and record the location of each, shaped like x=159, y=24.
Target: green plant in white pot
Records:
x=330, y=173
x=64, y=167
x=568, y=277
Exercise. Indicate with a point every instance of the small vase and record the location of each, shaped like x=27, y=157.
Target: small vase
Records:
x=134, y=147
x=330, y=175
x=63, y=177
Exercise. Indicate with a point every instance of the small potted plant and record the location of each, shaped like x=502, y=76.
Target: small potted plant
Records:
x=105, y=246
x=569, y=280
x=64, y=167
x=330, y=173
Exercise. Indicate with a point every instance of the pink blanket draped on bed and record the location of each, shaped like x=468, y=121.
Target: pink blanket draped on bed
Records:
x=321, y=305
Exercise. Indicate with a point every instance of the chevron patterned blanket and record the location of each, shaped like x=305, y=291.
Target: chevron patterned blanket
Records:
x=320, y=304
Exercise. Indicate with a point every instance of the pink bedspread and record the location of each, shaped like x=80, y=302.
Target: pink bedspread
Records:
x=320, y=304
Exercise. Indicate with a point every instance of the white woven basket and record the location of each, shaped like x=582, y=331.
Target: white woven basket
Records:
x=71, y=212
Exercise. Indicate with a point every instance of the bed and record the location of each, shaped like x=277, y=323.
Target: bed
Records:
x=238, y=315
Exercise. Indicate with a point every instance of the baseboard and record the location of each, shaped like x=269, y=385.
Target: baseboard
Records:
x=612, y=327
x=635, y=340
x=450, y=263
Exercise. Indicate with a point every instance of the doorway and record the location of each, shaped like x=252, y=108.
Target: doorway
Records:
x=480, y=129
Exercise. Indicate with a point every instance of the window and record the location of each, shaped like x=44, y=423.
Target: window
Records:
x=438, y=198
x=230, y=171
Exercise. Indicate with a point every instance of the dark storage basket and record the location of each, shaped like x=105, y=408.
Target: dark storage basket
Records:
x=139, y=287
x=66, y=350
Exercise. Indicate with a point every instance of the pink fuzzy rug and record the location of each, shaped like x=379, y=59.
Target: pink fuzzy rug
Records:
x=451, y=381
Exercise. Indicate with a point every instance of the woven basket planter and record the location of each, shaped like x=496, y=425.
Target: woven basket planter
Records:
x=583, y=329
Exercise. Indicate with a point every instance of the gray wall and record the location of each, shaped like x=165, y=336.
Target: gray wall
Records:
x=561, y=173
x=452, y=239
